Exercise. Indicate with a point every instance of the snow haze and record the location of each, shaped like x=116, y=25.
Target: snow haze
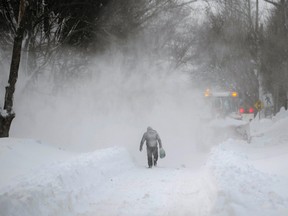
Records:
x=113, y=107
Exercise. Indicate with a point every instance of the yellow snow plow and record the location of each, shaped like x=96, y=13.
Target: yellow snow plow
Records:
x=229, y=116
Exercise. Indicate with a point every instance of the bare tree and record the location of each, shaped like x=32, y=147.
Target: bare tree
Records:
x=7, y=114
x=226, y=42
x=275, y=53
x=44, y=26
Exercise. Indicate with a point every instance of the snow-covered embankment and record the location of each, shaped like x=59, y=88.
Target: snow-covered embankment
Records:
x=249, y=177
x=55, y=189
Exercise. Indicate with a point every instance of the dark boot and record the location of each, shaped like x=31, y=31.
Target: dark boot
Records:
x=155, y=162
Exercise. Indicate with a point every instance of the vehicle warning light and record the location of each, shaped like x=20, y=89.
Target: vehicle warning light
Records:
x=234, y=94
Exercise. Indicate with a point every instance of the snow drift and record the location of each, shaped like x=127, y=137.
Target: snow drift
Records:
x=252, y=178
x=56, y=188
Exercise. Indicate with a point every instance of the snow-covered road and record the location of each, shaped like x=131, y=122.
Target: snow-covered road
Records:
x=106, y=182
x=157, y=191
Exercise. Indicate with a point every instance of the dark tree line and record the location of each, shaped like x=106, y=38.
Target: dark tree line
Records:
x=243, y=52
x=42, y=26
x=274, y=53
x=59, y=37
x=70, y=22
x=227, y=43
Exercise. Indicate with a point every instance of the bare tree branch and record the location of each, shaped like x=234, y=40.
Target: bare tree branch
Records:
x=272, y=2
x=186, y=3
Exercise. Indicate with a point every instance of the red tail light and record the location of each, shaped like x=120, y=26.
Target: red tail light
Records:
x=251, y=110
x=241, y=110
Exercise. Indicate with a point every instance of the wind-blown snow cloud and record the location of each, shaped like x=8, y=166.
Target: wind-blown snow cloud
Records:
x=114, y=106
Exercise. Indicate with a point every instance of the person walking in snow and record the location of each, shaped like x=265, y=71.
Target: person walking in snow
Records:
x=152, y=139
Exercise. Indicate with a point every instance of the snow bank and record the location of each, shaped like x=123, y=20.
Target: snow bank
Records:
x=56, y=188
x=244, y=190
x=248, y=177
x=271, y=132
x=281, y=114
x=19, y=156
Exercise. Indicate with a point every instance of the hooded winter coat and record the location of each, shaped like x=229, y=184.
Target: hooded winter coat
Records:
x=151, y=137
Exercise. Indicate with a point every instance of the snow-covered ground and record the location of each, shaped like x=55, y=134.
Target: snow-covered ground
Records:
x=251, y=178
x=236, y=179
x=104, y=182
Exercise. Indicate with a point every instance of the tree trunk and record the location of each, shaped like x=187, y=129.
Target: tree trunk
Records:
x=5, y=123
x=7, y=114
x=257, y=54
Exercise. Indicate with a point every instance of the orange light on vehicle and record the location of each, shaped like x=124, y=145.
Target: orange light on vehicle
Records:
x=241, y=110
x=207, y=93
x=234, y=94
